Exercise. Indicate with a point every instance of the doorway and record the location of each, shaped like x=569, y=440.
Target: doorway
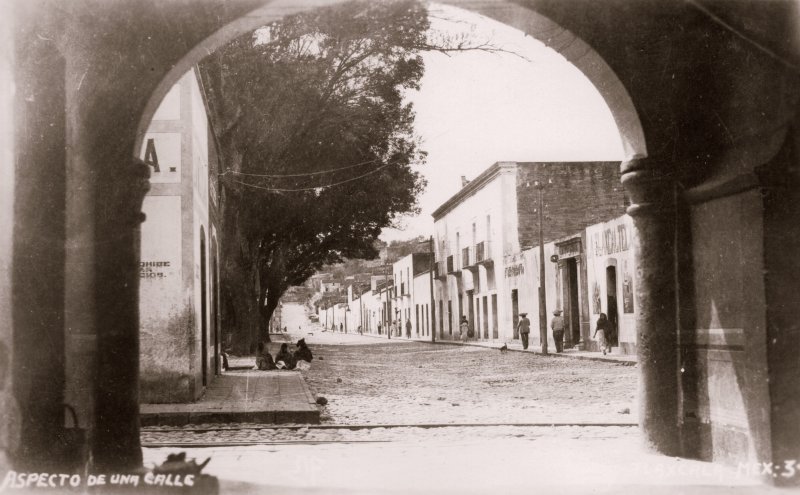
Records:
x=471, y=302
x=215, y=309
x=494, y=317
x=611, y=302
x=571, y=304
x=203, y=308
x=485, y=317
x=515, y=312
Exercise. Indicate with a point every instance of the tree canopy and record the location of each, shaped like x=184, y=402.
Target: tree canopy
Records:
x=316, y=140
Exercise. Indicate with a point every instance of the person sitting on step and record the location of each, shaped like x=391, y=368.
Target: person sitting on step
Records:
x=284, y=358
x=303, y=352
x=264, y=360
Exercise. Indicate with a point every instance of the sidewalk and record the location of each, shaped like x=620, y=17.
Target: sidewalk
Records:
x=242, y=397
x=628, y=360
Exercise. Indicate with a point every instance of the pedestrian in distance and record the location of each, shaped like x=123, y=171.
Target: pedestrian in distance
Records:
x=408, y=328
x=524, y=328
x=603, y=329
x=463, y=329
x=557, y=325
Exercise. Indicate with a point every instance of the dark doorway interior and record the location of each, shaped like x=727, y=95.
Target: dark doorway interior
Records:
x=471, y=302
x=515, y=311
x=485, y=317
x=495, y=330
x=441, y=319
x=203, y=308
x=450, y=317
x=572, y=305
x=611, y=300
x=215, y=310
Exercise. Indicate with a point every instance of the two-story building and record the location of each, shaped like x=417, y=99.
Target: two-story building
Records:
x=487, y=270
x=412, y=299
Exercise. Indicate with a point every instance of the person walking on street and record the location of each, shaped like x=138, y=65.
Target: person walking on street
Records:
x=408, y=328
x=463, y=329
x=603, y=328
x=524, y=328
x=557, y=325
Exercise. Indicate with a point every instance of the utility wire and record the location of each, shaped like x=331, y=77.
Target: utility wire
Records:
x=307, y=174
x=274, y=189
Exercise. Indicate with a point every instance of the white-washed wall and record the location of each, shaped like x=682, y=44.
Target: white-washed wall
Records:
x=610, y=244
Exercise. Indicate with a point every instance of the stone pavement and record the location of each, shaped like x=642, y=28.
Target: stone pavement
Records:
x=467, y=461
x=250, y=396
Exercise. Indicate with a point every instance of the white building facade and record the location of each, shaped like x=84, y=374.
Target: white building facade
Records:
x=178, y=299
x=487, y=253
x=473, y=231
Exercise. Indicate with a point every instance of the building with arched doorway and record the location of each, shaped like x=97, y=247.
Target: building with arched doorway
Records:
x=705, y=95
x=178, y=267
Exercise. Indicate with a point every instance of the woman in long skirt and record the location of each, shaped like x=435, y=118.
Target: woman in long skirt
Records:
x=603, y=329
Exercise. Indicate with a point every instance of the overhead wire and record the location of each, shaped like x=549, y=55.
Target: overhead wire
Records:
x=305, y=174
x=324, y=186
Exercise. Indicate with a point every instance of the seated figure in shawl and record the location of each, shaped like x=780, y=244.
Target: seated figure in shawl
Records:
x=303, y=352
x=284, y=358
x=264, y=359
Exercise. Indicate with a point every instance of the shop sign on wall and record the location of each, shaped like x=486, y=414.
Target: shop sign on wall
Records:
x=153, y=269
x=569, y=249
x=515, y=270
x=611, y=240
x=596, y=309
x=627, y=288
x=162, y=153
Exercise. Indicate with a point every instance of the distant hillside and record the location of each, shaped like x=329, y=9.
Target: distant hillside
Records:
x=388, y=255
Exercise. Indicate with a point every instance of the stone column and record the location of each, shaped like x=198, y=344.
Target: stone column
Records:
x=652, y=193
x=120, y=194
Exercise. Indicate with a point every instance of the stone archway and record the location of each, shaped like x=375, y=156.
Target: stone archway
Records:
x=118, y=63
x=714, y=105
x=567, y=44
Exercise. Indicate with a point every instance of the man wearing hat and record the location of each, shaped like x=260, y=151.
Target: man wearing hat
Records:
x=557, y=324
x=524, y=328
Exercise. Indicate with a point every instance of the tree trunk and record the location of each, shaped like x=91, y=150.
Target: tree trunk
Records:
x=266, y=311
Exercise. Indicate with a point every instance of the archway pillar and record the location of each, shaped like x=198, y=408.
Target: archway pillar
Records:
x=652, y=191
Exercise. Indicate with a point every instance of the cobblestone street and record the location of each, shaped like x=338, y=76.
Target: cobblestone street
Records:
x=375, y=380
x=413, y=382
x=377, y=384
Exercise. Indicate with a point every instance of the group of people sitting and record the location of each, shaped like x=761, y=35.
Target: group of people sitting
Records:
x=284, y=359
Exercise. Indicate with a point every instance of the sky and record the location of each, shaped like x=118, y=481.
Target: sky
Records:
x=477, y=108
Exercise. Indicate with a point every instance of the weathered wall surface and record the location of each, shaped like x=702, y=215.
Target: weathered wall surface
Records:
x=611, y=244
x=581, y=194
x=166, y=325
x=730, y=405
x=173, y=262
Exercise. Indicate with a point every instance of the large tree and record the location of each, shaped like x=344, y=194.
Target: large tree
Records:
x=316, y=143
